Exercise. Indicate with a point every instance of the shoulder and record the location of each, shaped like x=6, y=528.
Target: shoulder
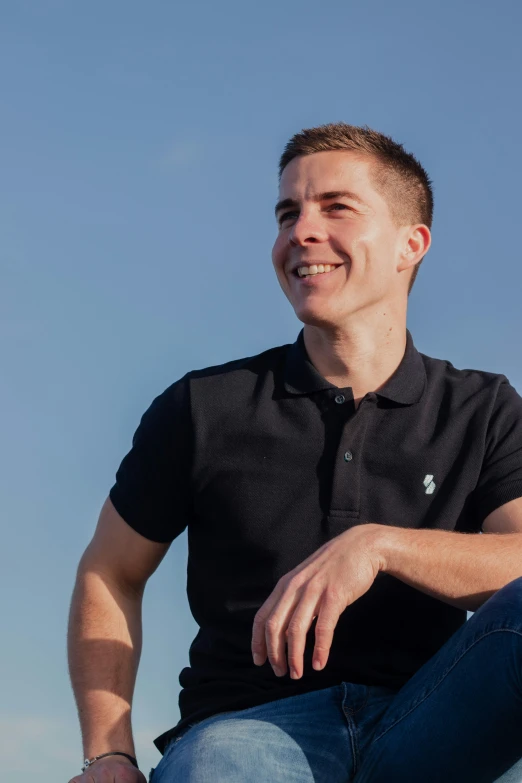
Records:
x=478, y=388
x=266, y=360
x=239, y=373
x=444, y=371
x=236, y=375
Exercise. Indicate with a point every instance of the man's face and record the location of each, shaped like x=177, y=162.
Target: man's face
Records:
x=330, y=213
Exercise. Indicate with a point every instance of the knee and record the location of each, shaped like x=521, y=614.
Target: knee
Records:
x=507, y=601
x=213, y=747
x=236, y=749
x=512, y=591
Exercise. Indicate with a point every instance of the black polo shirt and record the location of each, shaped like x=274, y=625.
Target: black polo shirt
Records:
x=263, y=460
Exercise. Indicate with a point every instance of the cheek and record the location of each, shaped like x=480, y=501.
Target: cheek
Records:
x=278, y=252
x=364, y=248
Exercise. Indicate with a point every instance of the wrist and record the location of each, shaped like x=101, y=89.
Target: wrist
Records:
x=103, y=740
x=97, y=750
x=120, y=756
x=379, y=542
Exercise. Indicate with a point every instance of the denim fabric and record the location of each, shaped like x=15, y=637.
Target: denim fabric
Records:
x=457, y=720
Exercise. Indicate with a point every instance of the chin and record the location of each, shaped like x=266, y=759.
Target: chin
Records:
x=315, y=316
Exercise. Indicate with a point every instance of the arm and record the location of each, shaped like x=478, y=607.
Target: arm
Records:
x=105, y=631
x=459, y=568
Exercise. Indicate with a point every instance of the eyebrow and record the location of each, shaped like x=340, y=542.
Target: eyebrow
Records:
x=330, y=194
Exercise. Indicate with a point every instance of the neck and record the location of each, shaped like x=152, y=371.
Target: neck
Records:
x=362, y=356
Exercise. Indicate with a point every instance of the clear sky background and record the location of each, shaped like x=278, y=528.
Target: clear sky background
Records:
x=138, y=160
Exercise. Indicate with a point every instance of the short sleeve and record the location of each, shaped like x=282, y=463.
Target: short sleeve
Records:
x=501, y=476
x=152, y=489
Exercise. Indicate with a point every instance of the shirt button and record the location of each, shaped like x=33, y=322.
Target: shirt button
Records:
x=348, y=456
x=340, y=399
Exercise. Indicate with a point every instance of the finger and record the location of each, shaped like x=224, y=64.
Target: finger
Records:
x=258, y=645
x=298, y=627
x=276, y=631
x=327, y=618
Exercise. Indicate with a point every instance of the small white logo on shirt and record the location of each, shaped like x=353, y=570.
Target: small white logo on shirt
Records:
x=429, y=484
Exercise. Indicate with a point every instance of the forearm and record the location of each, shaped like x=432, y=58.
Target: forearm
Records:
x=459, y=568
x=104, y=647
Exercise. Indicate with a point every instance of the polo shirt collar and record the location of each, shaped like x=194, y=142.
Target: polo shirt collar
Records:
x=405, y=386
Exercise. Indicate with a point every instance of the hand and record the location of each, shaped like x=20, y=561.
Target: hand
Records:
x=113, y=769
x=322, y=586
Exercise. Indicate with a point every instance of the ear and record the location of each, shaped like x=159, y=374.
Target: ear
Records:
x=417, y=242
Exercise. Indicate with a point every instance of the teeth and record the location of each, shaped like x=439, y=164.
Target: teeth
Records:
x=315, y=269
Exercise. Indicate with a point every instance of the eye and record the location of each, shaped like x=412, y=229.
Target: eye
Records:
x=337, y=207
x=286, y=216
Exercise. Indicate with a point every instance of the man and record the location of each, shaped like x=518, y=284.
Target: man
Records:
x=333, y=492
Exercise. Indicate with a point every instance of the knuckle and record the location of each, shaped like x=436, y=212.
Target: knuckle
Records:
x=272, y=625
x=332, y=594
x=295, y=582
x=324, y=628
x=271, y=651
x=283, y=580
x=259, y=619
x=321, y=645
x=295, y=628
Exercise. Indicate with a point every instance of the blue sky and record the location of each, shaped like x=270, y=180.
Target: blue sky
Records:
x=139, y=174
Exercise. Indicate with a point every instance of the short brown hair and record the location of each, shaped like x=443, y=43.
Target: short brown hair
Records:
x=398, y=174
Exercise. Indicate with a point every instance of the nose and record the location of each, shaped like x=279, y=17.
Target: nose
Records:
x=307, y=230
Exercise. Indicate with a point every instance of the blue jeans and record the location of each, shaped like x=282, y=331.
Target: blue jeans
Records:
x=457, y=720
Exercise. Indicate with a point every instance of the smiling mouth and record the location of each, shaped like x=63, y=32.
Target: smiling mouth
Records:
x=314, y=270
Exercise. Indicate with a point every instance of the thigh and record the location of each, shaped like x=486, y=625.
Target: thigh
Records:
x=301, y=739
x=459, y=718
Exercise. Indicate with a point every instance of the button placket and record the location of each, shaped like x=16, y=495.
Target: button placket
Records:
x=345, y=499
